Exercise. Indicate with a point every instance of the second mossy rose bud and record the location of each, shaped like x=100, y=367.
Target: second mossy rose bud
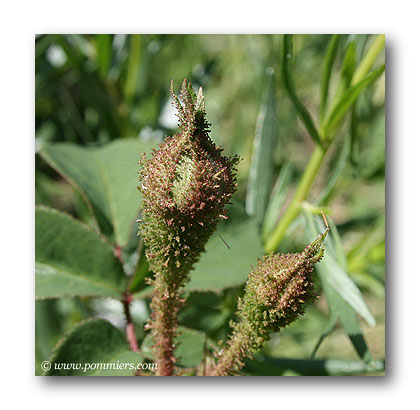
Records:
x=277, y=292
x=280, y=287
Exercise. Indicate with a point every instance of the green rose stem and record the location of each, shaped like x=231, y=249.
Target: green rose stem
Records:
x=300, y=195
x=276, y=294
x=185, y=186
x=327, y=133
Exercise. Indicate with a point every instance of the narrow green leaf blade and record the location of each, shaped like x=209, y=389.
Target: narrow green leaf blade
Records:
x=338, y=279
x=348, y=318
x=260, y=172
x=71, y=260
x=369, y=58
x=277, y=199
x=349, y=64
x=104, y=53
x=106, y=177
x=287, y=75
x=348, y=99
x=337, y=302
x=329, y=59
x=133, y=66
x=346, y=75
x=93, y=348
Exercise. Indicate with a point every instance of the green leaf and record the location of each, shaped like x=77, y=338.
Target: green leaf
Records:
x=340, y=281
x=349, y=65
x=190, y=347
x=369, y=58
x=189, y=350
x=47, y=330
x=104, y=52
x=344, y=298
x=133, y=66
x=93, y=348
x=106, y=177
x=71, y=260
x=347, y=100
x=337, y=278
x=339, y=308
x=287, y=75
x=326, y=71
x=347, y=71
x=208, y=311
x=220, y=268
x=260, y=172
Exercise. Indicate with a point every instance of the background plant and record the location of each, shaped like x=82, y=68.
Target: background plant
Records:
x=308, y=136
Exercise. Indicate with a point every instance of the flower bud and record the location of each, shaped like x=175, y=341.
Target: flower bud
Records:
x=185, y=186
x=280, y=287
x=277, y=292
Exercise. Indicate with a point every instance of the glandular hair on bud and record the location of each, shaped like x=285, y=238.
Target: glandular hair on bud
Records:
x=277, y=292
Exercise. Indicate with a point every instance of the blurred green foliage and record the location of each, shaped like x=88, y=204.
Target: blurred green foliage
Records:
x=93, y=89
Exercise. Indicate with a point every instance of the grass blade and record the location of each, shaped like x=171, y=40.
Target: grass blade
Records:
x=337, y=278
x=104, y=51
x=133, y=66
x=343, y=296
x=277, y=200
x=287, y=76
x=369, y=58
x=260, y=173
x=347, y=71
x=348, y=99
x=326, y=71
x=347, y=318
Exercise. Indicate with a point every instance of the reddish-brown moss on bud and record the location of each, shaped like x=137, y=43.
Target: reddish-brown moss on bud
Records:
x=185, y=185
x=276, y=294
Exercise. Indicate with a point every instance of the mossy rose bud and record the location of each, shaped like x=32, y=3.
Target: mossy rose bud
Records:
x=277, y=292
x=185, y=186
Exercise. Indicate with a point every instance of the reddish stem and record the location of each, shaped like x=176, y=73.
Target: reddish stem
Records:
x=131, y=334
